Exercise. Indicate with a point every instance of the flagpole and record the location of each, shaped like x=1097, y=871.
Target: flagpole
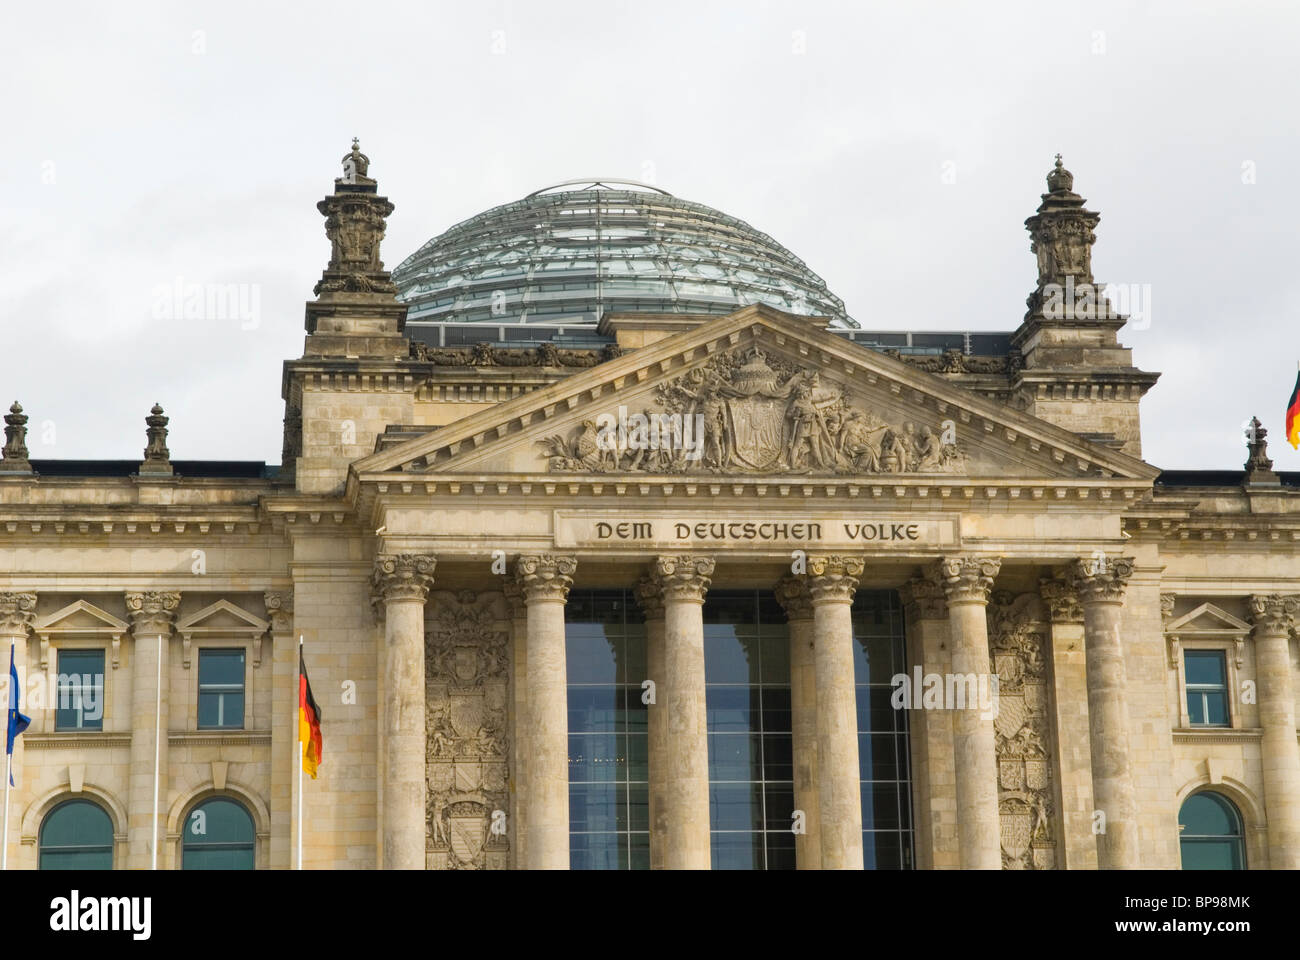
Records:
x=298, y=740
x=9, y=760
x=157, y=755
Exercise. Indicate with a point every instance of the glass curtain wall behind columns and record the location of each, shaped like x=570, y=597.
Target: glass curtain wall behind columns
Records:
x=751, y=767
x=609, y=793
x=883, y=748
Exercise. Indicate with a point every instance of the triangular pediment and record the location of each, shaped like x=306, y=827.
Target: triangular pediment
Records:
x=1208, y=620
x=222, y=617
x=776, y=396
x=80, y=617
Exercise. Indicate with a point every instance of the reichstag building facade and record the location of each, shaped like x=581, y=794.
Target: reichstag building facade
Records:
x=613, y=541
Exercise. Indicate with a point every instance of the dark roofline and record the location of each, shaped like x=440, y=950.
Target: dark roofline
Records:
x=1216, y=478
x=212, y=469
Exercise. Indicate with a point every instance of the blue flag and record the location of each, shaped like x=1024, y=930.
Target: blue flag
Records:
x=17, y=722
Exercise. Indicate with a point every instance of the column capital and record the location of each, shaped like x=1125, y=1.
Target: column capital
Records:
x=152, y=612
x=402, y=576
x=1167, y=601
x=923, y=599
x=1061, y=600
x=1273, y=615
x=17, y=613
x=279, y=610
x=1100, y=579
x=795, y=598
x=683, y=577
x=966, y=579
x=650, y=597
x=833, y=579
x=545, y=576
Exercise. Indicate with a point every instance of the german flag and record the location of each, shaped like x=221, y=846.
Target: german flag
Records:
x=1293, y=416
x=308, y=721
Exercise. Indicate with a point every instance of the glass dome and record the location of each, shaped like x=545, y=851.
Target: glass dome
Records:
x=570, y=253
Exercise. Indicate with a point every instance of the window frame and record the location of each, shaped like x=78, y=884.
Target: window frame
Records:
x=1232, y=683
x=66, y=801
x=222, y=648
x=1241, y=837
x=61, y=648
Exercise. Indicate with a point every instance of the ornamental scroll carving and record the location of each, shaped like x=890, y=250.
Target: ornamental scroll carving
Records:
x=1022, y=731
x=754, y=414
x=466, y=679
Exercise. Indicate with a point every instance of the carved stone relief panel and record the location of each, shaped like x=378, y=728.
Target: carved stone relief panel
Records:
x=748, y=412
x=1023, y=733
x=466, y=751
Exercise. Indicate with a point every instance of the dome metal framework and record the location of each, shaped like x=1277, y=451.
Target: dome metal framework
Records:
x=570, y=253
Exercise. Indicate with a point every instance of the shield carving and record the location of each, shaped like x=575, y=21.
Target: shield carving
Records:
x=1011, y=716
x=1015, y=834
x=467, y=713
x=467, y=835
x=757, y=424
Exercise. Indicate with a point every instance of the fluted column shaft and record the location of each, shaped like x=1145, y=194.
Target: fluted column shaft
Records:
x=832, y=583
x=967, y=582
x=1274, y=618
x=683, y=581
x=402, y=582
x=152, y=615
x=650, y=598
x=792, y=592
x=1099, y=585
x=545, y=581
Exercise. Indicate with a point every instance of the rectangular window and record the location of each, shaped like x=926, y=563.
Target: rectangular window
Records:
x=221, y=689
x=879, y=653
x=609, y=791
x=1207, y=688
x=80, y=690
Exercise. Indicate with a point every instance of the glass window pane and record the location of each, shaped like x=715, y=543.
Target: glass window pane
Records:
x=1205, y=666
x=221, y=666
x=1216, y=707
x=218, y=835
x=1195, y=707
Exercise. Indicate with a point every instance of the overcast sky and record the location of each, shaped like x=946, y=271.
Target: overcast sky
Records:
x=897, y=148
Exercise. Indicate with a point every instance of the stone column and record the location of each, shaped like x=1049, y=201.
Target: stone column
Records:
x=519, y=741
x=1274, y=617
x=152, y=615
x=17, y=612
x=832, y=582
x=402, y=583
x=683, y=581
x=967, y=582
x=934, y=777
x=545, y=581
x=284, y=727
x=793, y=595
x=650, y=598
x=1099, y=584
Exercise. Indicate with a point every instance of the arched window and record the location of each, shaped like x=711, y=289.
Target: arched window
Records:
x=76, y=835
x=1211, y=833
x=218, y=835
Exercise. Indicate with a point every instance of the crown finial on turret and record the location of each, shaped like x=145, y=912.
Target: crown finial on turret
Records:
x=356, y=165
x=1060, y=180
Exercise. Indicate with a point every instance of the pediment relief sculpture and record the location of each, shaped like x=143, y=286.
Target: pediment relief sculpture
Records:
x=758, y=414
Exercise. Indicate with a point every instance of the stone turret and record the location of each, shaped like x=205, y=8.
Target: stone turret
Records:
x=1259, y=468
x=1074, y=372
x=356, y=312
x=13, y=459
x=157, y=458
x=355, y=376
